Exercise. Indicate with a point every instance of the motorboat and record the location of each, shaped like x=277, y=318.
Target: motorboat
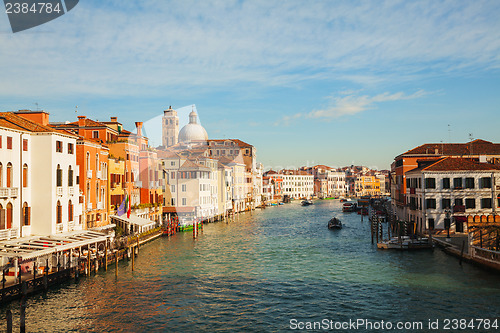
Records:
x=334, y=223
x=306, y=202
x=349, y=207
x=406, y=243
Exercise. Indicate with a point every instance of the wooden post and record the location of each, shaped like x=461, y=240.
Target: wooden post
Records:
x=371, y=229
x=116, y=264
x=133, y=255
x=462, y=253
x=9, y=321
x=22, y=323
x=88, y=263
x=381, y=231
x=137, y=243
x=377, y=231
x=106, y=256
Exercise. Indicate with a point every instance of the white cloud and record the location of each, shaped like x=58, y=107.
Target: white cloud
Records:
x=349, y=105
x=125, y=48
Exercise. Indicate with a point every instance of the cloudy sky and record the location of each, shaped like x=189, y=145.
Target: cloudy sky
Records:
x=306, y=82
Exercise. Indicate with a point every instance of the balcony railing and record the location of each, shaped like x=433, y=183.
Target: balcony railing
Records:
x=59, y=227
x=6, y=192
x=100, y=205
x=89, y=206
x=71, y=226
x=7, y=234
x=98, y=174
x=71, y=190
x=59, y=190
x=89, y=173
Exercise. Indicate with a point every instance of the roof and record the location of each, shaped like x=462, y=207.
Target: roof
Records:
x=190, y=165
x=16, y=122
x=455, y=164
x=476, y=147
x=166, y=154
x=237, y=141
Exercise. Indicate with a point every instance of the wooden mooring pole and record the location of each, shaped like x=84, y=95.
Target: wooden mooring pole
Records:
x=133, y=255
x=116, y=264
x=9, y=321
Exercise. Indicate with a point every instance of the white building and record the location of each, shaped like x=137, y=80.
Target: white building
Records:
x=39, y=192
x=297, y=184
x=447, y=192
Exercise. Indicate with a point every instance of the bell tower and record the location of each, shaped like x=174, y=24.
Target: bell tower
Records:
x=170, y=127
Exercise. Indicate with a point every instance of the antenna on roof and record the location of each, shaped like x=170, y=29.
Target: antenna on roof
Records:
x=471, y=138
x=76, y=109
x=449, y=133
x=36, y=103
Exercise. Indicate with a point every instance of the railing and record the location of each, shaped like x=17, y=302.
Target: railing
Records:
x=71, y=226
x=6, y=192
x=14, y=191
x=71, y=190
x=89, y=173
x=100, y=205
x=7, y=234
x=490, y=255
x=59, y=227
x=59, y=190
x=98, y=174
x=89, y=206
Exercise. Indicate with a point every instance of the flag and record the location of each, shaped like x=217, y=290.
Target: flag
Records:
x=128, y=206
x=121, y=209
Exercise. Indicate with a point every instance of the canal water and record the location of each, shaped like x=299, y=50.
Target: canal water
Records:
x=262, y=272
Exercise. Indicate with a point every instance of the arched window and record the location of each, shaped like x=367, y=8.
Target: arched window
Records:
x=70, y=176
x=70, y=211
x=25, y=175
x=9, y=215
x=103, y=198
x=58, y=212
x=26, y=214
x=97, y=191
x=1, y=175
x=59, y=176
x=9, y=175
x=88, y=161
x=88, y=194
x=96, y=162
x=2, y=217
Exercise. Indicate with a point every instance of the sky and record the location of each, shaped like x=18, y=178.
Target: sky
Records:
x=305, y=82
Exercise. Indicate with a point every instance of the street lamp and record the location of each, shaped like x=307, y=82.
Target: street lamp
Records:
x=448, y=224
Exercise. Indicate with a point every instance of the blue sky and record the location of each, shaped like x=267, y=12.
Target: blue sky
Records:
x=306, y=82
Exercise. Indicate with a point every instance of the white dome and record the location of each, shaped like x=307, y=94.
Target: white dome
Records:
x=192, y=131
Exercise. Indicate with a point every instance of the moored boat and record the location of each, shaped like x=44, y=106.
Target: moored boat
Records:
x=306, y=202
x=334, y=223
x=406, y=243
x=349, y=207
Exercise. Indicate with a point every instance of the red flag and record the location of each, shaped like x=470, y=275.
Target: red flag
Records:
x=128, y=206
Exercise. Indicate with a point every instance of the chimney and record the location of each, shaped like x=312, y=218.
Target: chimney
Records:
x=81, y=121
x=114, y=119
x=40, y=117
x=138, y=125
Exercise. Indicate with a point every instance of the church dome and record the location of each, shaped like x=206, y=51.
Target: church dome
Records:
x=192, y=131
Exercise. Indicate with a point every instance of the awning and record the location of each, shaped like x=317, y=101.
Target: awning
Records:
x=178, y=209
x=139, y=221
x=37, y=246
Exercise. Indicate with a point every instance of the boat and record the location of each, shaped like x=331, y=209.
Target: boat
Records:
x=349, y=207
x=406, y=243
x=306, y=202
x=186, y=224
x=363, y=211
x=334, y=223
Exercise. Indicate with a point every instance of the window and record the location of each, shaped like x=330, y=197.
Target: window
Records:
x=446, y=203
x=95, y=134
x=0, y=141
x=1, y=174
x=469, y=182
x=430, y=183
x=173, y=201
x=58, y=176
x=26, y=214
x=70, y=148
x=70, y=211
x=172, y=188
x=470, y=203
x=172, y=163
x=430, y=203
x=9, y=215
x=485, y=182
x=9, y=175
x=70, y=177
x=59, y=212
x=88, y=161
x=25, y=144
x=25, y=175
x=59, y=148
x=446, y=182
x=9, y=142
x=486, y=203
x=184, y=201
x=431, y=224
x=457, y=183
x=459, y=202
x=173, y=175
x=183, y=187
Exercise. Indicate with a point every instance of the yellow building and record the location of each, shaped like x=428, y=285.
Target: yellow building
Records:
x=367, y=185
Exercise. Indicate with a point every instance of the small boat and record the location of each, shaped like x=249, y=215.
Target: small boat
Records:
x=334, y=223
x=406, y=243
x=349, y=207
x=306, y=202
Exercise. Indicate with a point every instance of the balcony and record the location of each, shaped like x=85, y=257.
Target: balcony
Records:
x=458, y=209
x=71, y=190
x=59, y=227
x=89, y=206
x=7, y=234
x=71, y=226
x=6, y=192
x=89, y=174
x=99, y=174
x=100, y=205
x=59, y=190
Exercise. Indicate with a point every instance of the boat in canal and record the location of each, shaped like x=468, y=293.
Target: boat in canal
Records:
x=406, y=243
x=349, y=207
x=334, y=224
x=306, y=202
